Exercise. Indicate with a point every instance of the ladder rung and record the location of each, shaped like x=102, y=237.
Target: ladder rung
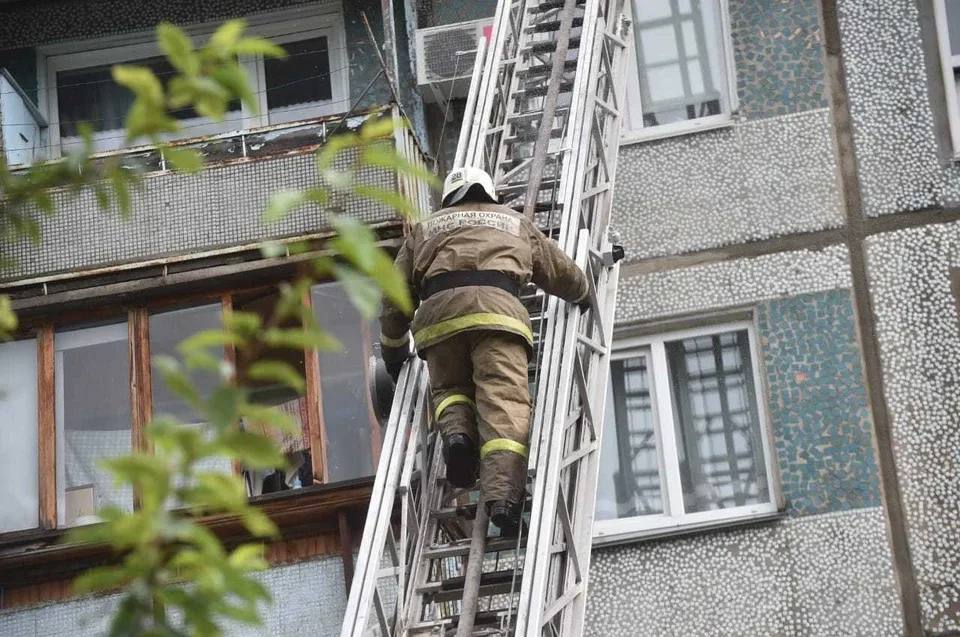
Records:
x=540, y=91
x=462, y=547
x=466, y=512
x=544, y=69
x=550, y=5
x=552, y=25
x=549, y=46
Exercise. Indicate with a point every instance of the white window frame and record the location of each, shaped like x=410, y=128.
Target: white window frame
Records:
x=673, y=519
x=330, y=26
x=948, y=62
x=634, y=112
x=282, y=27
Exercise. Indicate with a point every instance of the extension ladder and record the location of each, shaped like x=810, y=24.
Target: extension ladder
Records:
x=542, y=117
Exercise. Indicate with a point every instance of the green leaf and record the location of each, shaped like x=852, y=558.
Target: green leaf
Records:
x=377, y=129
x=301, y=338
x=259, y=46
x=234, y=80
x=282, y=203
x=225, y=38
x=184, y=160
x=8, y=318
x=253, y=450
x=141, y=81
x=178, y=48
x=223, y=407
x=363, y=293
x=248, y=557
x=207, y=339
x=270, y=418
x=243, y=325
x=100, y=578
x=178, y=382
x=217, y=492
x=258, y=524
x=390, y=198
x=119, y=180
x=386, y=156
x=277, y=371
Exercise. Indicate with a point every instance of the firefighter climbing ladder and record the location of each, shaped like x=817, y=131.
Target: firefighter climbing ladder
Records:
x=542, y=117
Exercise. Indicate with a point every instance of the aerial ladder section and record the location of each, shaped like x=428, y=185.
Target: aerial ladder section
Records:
x=542, y=117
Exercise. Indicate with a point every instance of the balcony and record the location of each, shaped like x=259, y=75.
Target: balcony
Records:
x=177, y=218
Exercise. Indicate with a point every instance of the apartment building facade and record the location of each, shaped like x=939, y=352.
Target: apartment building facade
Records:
x=780, y=444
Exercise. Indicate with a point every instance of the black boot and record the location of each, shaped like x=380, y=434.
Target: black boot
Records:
x=505, y=515
x=460, y=454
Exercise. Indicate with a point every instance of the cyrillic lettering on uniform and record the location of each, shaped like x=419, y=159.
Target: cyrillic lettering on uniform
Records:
x=451, y=221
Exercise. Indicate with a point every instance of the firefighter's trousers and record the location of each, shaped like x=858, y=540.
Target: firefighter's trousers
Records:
x=479, y=388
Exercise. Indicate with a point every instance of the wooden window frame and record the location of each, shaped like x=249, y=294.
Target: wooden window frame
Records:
x=137, y=314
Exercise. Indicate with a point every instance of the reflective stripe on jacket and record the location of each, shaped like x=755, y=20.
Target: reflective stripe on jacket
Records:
x=477, y=236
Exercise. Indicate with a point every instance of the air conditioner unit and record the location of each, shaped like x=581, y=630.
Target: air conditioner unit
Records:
x=445, y=57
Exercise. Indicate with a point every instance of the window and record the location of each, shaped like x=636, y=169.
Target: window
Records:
x=311, y=82
x=682, y=58
x=92, y=375
x=70, y=394
x=19, y=450
x=684, y=439
x=948, y=35
x=167, y=330
x=353, y=443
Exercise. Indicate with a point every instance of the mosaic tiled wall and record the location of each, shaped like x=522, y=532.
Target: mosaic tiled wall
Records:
x=894, y=132
x=308, y=599
x=732, y=185
x=176, y=214
x=817, y=403
x=917, y=323
x=728, y=284
x=779, y=56
x=821, y=576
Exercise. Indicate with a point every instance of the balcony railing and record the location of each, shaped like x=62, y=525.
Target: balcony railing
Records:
x=217, y=211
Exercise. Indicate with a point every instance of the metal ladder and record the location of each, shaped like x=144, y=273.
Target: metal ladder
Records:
x=543, y=117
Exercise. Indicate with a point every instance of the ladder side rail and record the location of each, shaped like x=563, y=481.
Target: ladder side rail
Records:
x=554, y=307
x=548, y=412
x=485, y=96
x=381, y=502
x=491, y=146
x=412, y=518
x=548, y=381
x=584, y=489
x=432, y=498
x=542, y=528
x=587, y=497
x=549, y=105
x=470, y=107
x=390, y=441
x=507, y=98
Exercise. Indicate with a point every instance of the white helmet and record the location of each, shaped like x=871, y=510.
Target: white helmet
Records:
x=462, y=180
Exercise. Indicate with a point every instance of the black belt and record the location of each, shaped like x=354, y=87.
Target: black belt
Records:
x=465, y=278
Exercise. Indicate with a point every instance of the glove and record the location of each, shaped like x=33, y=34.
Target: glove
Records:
x=584, y=303
x=393, y=359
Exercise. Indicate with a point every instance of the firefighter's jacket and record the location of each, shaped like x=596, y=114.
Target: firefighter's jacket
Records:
x=476, y=236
